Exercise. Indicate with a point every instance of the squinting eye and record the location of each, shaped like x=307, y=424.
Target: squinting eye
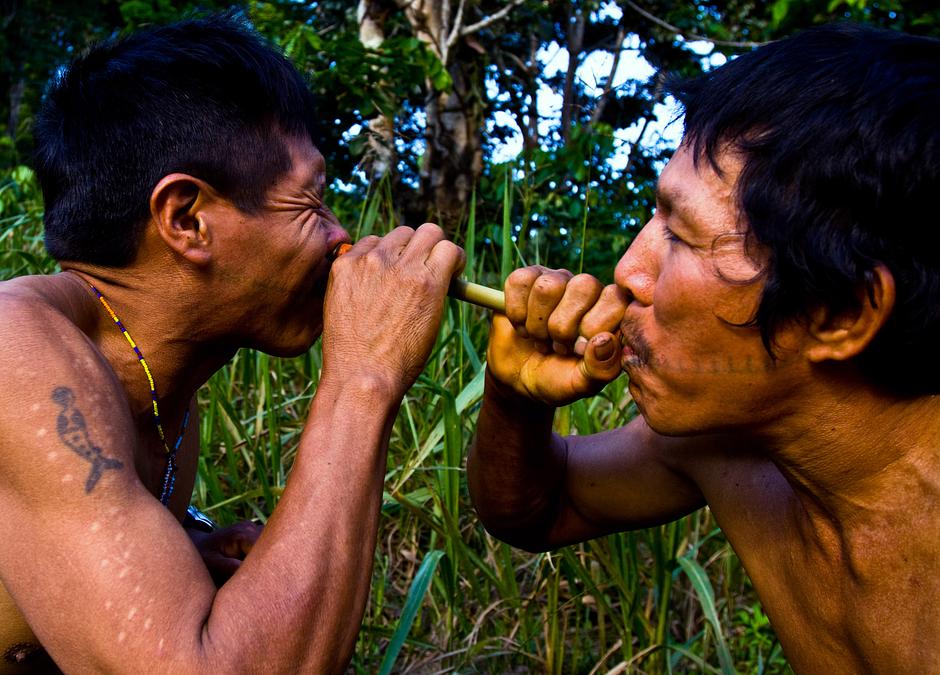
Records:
x=670, y=236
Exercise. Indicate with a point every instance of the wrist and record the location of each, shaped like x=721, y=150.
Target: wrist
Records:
x=507, y=398
x=371, y=388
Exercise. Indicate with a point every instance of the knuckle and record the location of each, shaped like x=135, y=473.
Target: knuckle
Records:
x=452, y=249
x=549, y=285
x=613, y=294
x=522, y=276
x=561, y=328
x=585, y=285
x=431, y=227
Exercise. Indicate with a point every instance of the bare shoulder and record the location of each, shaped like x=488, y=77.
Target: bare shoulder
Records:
x=55, y=386
x=43, y=312
x=744, y=489
x=671, y=476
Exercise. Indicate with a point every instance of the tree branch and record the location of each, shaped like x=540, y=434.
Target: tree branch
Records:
x=608, y=87
x=451, y=39
x=492, y=18
x=687, y=35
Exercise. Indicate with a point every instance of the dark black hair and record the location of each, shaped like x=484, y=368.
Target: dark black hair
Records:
x=838, y=128
x=208, y=97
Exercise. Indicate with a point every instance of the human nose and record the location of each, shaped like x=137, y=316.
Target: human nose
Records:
x=638, y=268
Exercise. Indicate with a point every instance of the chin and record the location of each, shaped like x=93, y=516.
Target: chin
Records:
x=663, y=421
x=291, y=345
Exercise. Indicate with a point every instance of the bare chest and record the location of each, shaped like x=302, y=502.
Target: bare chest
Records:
x=151, y=462
x=835, y=608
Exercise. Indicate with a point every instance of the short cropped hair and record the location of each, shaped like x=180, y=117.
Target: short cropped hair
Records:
x=208, y=97
x=838, y=131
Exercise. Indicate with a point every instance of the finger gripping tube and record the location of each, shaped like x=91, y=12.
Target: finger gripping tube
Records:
x=461, y=289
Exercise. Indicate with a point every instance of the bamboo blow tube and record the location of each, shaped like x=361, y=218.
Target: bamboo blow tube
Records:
x=461, y=289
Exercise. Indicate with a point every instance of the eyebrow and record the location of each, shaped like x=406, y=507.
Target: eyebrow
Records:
x=672, y=199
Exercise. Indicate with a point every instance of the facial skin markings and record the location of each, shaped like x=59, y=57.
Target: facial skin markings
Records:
x=71, y=427
x=731, y=364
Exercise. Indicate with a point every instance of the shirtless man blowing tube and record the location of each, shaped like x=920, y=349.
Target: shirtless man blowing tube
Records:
x=779, y=320
x=182, y=184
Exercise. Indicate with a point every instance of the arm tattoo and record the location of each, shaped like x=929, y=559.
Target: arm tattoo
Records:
x=73, y=432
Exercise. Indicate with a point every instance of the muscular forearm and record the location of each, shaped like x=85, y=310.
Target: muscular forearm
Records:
x=515, y=468
x=298, y=599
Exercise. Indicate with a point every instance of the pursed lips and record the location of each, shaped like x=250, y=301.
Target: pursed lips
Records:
x=635, y=349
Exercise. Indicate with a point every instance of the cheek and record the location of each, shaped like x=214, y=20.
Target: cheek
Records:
x=736, y=304
x=681, y=294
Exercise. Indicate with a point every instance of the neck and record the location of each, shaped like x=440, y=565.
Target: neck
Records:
x=853, y=452
x=180, y=350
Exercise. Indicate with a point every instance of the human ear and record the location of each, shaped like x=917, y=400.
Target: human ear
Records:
x=839, y=336
x=178, y=209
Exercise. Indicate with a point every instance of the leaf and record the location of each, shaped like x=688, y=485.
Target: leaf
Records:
x=419, y=586
x=441, y=80
x=706, y=596
x=779, y=11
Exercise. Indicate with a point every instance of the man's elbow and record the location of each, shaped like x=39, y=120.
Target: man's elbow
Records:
x=528, y=536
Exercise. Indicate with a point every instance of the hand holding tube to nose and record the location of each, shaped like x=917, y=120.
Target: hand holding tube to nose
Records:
x=461, y=289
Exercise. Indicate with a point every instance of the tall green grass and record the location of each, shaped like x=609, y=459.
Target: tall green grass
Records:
x=447, y=597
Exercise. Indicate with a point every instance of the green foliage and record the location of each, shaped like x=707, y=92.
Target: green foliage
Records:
x=445, y=595
x=21, y=246
x=485, y=607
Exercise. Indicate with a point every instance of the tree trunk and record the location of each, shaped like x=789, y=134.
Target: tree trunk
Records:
x=380, y=157
x=16, y=103
x=575, y=45
x=453, y=159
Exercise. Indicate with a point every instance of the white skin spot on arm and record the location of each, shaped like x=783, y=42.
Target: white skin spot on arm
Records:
x=119, y=536
x=104, y=562
x=52, y=455
x=34, y=407
x=121, y=636
x=42, y=432
x=148, y=623
x=67, y=478
x=130, y=614
x=108, y=604
x=95, y=526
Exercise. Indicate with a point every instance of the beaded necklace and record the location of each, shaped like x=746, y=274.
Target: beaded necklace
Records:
x=169, y=474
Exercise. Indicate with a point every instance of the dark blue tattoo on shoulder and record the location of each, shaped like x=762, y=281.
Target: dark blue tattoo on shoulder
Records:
x=73, y=432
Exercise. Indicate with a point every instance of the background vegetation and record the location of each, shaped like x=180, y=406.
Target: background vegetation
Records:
x=417, y=97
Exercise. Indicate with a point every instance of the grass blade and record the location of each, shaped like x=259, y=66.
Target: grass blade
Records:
x=506, y=265
x=416, y=593
x=706, y=596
